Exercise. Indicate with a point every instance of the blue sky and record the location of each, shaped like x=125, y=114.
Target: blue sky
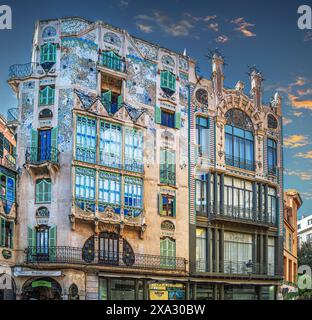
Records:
x=250, y=32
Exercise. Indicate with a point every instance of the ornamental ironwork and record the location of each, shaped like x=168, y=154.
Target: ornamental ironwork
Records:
x=43, y=212
x=272, y=122
x=238, y=118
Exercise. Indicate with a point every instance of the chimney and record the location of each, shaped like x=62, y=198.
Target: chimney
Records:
x=217, y=72
x=256, y=86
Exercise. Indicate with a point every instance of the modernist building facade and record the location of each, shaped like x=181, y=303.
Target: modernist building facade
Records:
x=7, y=210
x=304, y=229
x=137, y=180
x=236, y=203
x=293, y=202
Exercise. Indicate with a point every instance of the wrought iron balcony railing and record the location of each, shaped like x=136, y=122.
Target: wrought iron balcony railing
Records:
x=12, y=116
x=113, y=63
x=240, y=163
x=236, y=213
x=168, y=177
x=72, y=255
x=7, y=205
x=236, y=268
x=37, y=156
x=20, y=71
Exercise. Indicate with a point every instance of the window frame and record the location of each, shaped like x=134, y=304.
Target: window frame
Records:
x=46, y=193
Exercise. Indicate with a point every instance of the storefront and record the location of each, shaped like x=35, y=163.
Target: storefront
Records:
x=42, y=289
x=139, y=289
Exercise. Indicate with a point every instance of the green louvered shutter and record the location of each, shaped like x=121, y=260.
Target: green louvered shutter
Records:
x=106, y=100
x=177, y=119
x=120, y=101
x=50, y=95
x=171, y=167
x=12, y=235
x=174, y=207
x=2, y=233
x=54, y=144
x=157, y=115
x=31, y=236
x=164, y=79
x=34, y=145
x=52, y=243
x=160, y=203
x=162, y=166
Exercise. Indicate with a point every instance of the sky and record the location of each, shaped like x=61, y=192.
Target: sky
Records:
x=262, y=33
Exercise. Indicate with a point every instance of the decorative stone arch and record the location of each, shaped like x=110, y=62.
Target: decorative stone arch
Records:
x=73, y=292
x=243, y=103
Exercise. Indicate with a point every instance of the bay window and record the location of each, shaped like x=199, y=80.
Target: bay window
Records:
x=109, y=189
x=110, y=145
x=86, y=139
x=202, y=136
x=133, y=150
x=133, y=195
x=272, y=156
x=239, y=140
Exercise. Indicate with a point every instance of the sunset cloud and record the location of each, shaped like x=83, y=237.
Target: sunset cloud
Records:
x=287, y=121
x=296, y=141
x=243, y=27
x=304, y=155
x=298, y=103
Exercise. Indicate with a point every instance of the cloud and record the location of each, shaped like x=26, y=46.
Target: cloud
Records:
x=144, y=27
x=297, y=103
x=222, y=39
x=304, y=92
x=287, y=121
x=201, y=18
x=304, y=155
x=208, y=18
x=297, y=113
x=296, y=141
x=302, y=175
x=180, y=28
x=123, y=3
x=306, y=195
x=243, y=27
x=299, y=82
x=213, y=26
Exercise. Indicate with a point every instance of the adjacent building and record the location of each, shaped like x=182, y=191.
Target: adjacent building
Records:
x=292, y=203
x=304, y=228
x=138, y=179
x=7, y=210
x=236, y=194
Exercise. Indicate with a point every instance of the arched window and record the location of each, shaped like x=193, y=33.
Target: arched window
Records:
x=239, y=140
x=272, y=122
x=167, y=252
x=45, y=114
x=73, y=292
x=43, y=191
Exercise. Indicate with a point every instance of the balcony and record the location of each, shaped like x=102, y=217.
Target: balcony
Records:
x=42, y=161
x=12, y=118
x=112, y=63
x=79, y=256
x=100, y=213
x=8, y=161
x=168, y=177
x=21, y=71
x=7, y=207
x=240, y=268
x=240, y=163
x=237, y=214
